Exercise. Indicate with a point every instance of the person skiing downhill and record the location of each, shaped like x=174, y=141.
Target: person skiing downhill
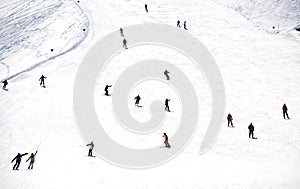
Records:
x=167, y=74
x=251, y=130
x=42, y=79
x=106, y=90
x=285, y=109
x=184, y=25
x=166, y=140
x=32, y=159
x=137, y=100
x=167, y=108
x=91, y=148
x=178, y=23
x=18, y=159
x=146, y=7
x=121, y=32
x=229, y=119
x=5, y=83
x=124, y=43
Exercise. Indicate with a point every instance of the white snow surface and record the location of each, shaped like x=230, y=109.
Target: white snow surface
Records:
x=261, y=71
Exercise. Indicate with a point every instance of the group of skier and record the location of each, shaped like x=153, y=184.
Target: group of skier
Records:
x=251, y=127
x=42, y=82
x=184, y=24
x=18, y=159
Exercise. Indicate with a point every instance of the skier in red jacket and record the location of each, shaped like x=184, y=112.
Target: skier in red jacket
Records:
x=229, y=119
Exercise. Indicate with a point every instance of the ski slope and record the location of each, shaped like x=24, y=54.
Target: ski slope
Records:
x=261, y=71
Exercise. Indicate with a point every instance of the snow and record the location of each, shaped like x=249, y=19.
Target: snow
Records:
x=261, y=71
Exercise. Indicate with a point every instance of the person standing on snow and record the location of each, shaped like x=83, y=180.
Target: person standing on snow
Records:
x=106, y=90
x=121, y=32
x=91, y=148
x=167, y=108
x=4, y=84
x=229, y=119
x=32, y=159
x=42, y=79
x=124, y=43
x=178, y=23
x=285, y=109
x=166, y=140
x=167, y=74
x=18, y=159
x=146, y=7
x=184, y=25
x=251, y=130
x=137, y=100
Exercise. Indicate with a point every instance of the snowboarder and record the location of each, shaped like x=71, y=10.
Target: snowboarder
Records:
x=124, y=43
x=166, y=140
x=32, y=159
x=184, y=25
x=146, y=7
x=4, y=84
x=167, y=74
x=137, y=100
x=42, y=79
x=106, y=89
x=229, y=119
x=178, y=23
x=91, y=148
x=251, y=130
x=167, y=108
x=18, y=159
x=285, y=109
x=121, y=32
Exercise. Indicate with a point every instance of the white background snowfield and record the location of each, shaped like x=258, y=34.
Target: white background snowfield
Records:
x=260, y=68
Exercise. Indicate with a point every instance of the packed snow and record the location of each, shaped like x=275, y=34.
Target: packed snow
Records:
x=260, y=68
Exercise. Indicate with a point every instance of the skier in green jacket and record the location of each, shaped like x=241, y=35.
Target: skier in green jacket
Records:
x=31, y=158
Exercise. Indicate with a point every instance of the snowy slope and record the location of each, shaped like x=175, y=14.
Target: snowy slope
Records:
x=266, y=14
x=261, y=72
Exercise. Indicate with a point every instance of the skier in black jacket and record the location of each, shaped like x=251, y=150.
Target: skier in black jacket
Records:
x=42, y=79
x=106, y=90
x=18, y=159
x=251, y=130
x=4, y=84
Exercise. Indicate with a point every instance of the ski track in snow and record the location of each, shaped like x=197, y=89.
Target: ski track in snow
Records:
x=26, y=21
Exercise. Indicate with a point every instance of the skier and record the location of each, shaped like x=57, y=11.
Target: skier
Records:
x=178, y=23
x=42, y=79
x=32, y=159
x=121, y=32
x=167, y=108
x=124, y=43
x=184, y=25
x=166, y=140
x=229, y=119
x=91, y=148
x=285, y=109
x=251, y=130
x=146, y=7
x=4, y=84
x=137, y=100
x=106, y=89
x=167, y=74
x=18, y=159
